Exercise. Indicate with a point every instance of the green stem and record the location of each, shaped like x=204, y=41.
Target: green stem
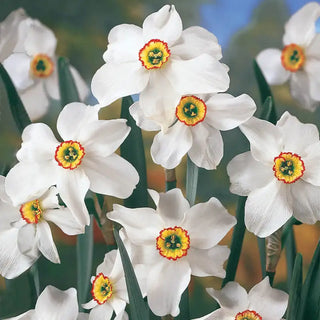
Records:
x=171, y=181
x=262, y=253
x=290, y=248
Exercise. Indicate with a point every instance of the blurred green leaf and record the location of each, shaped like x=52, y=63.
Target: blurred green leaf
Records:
x=138, y=308
x=295, y=289
x=192, y=181
x=262, y=254
x=16, y=106
x=67, y=87
x=84, y=262
x=132, y=149
x=92, y=210
x=290, y=248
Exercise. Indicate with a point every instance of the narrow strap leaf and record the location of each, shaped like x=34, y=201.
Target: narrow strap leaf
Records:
x=192, y=181
x=16, y=106
x=132, y=149
x=67, y=87
x=138, y=308
x=262, y=254
x=290, y=248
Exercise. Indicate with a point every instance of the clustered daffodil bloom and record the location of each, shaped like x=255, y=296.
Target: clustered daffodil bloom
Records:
x=261, y=303
x=29, y=57
x=84, y=160
x=175, y=241
x=280, y=175
x=299, y=60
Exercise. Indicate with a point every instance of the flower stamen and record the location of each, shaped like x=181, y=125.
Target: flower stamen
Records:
x=292, y=57
x=31, y=211
x=41, y=66
x=69, y=154
x=101, y=288
x=154, y=54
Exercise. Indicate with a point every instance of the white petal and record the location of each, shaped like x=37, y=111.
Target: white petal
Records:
x=25, y=316
x=208, y=262
x=72, y=187
x=40, y=39
x=39, y=143
x=82, y=316
x=82, y=87
x=268, y=208
x=108, y=263
x=168, y=148
x=89, y=305
x=232, y=297
x=118, y=305
x=141, y=120
x=64, y=219
x=35, y=101
x=101, y=312
x=172, y=207
x=207, y=146
x=111, y=175
x=265, y=139
x=312, y=67
x=226, y=112
x=8, y=214
x=311, y=162
x=166, y=283
x=269, y=61
x=195, y=41
x=165, y=25
x=122, y=316
x=135, y=220
x=305, y=202
x=154, y=196
x=268, y=302
x=312, y=51
x=57, y=304
x=46, y=243
x=12, y=261
x=27, y=242
x=113, y=81
x=219, y=314
x=301, y=27
x=49, y=200
x=296, y=135
x=18, y=68
x=124, y=44
x=207, y=223
x=52, y=85
x=247, y=174
x=203, y=74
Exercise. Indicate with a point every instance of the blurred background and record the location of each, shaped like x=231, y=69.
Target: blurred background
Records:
x=243, y=29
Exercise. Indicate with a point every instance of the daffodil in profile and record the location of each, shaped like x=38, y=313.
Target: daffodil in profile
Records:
x=174, y=241
x=85, y=159
x=299, y=59
x=280, y=175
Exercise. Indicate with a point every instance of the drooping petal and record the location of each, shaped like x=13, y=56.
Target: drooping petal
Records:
x=208, y=262
x=135, y=220
x=101, y=312
x=111, y=175
x=232, y=297
x=82, y=87
x=202, y=74
x=247, y=174
x=226, y=112
x=306, y=201
x=165, y=285
x=124, y=44
x=268, y=208
x=52, y=86
x=40, y=39
x=141, y=120
x=113, y=81
x=270, y=303
x=207, y=223
x=18, y=66
x=168, y=148
x=297, y=135
x=46, y=243
x=72, y=187
x=172, y=207
x=57, y=304
x=165, y=25
x=312, y=67
x=269, y=61
x=301, y=27
x=207, y=146
x=265, y=139
x=195, y=41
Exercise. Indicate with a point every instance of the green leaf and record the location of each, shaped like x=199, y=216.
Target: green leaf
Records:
x=290, y=248
x=16, y=106
x=262, y=253
x=84, y=262
x=310, y=295
x=236, y=243
x=138, y=308
x=192, y=181
x=295, y=289
x=92, y=210
x=67, y=87
x=132, y=149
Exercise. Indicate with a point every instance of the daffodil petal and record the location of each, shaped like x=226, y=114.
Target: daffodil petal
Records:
x=82, y=87
x=141, y=120
x=101, y=312
x=52, y=86
x=312, y=67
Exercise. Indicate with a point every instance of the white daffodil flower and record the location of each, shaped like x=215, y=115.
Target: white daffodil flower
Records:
x=54, y=304
x=280, y=175
x=194, y=128
x=84, y=160
x=175, y=241
x=299, y=60
x=109, y=290
x=262, y=302
x=32, y=63
x=160, y=61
